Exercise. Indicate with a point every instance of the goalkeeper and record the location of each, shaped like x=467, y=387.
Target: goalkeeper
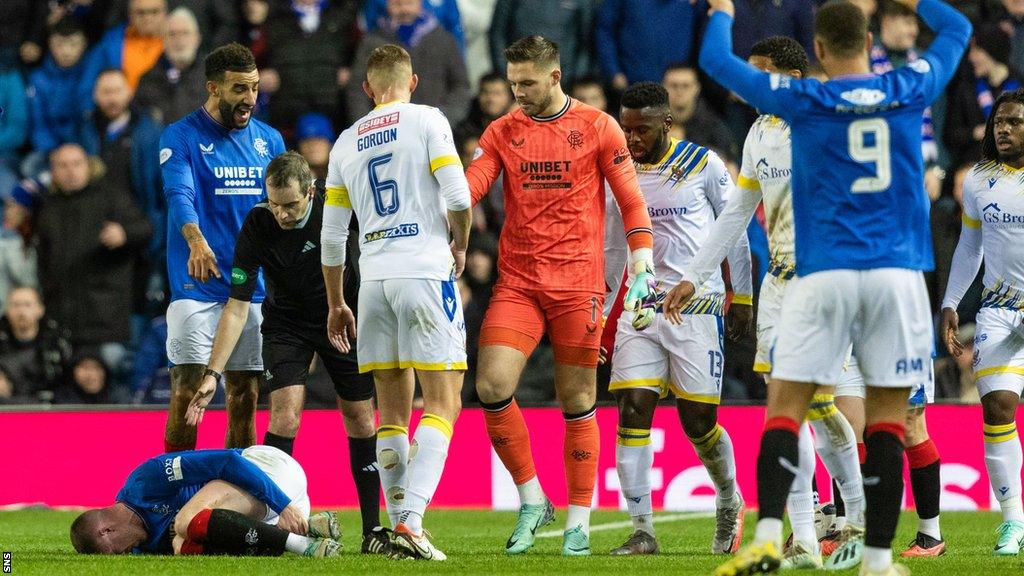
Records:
x=555, y=153
x=250, y=502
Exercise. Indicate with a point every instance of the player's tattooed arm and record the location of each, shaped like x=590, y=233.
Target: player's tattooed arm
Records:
x=202, y=262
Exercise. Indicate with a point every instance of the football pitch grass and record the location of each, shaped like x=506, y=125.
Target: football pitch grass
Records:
x=474, y=541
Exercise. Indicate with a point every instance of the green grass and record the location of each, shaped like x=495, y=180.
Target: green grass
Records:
x=474, y=541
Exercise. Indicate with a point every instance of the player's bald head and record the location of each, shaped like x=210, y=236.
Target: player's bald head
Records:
x=842, y=29
x=388, y=65
x=536, y=49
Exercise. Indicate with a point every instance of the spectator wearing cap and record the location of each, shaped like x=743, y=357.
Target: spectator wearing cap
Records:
x=176, y=84
x=314, y=137
x=971, y=99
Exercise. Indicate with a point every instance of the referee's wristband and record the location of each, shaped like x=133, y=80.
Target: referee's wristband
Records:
x=217, y=376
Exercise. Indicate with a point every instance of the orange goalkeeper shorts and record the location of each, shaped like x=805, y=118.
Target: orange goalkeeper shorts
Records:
x=518, y=318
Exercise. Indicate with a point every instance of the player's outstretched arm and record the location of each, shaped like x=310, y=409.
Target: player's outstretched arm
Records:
x=229, y=328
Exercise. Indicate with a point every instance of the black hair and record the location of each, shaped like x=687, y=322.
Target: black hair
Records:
x=493, y=77
x=988, y=143
x=645, y=95
x=67, y=26
x=843, y=27
x=536, y=49
x=231, y=57
x=784, y=52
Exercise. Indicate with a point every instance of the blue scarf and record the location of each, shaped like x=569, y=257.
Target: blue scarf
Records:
x=411, y=34
x=880, y=64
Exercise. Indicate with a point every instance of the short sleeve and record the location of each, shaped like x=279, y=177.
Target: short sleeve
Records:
x=246, y=265
x=748, y=169
x=440, y=143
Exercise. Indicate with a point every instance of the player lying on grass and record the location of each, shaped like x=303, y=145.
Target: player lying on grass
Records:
x=250, y=502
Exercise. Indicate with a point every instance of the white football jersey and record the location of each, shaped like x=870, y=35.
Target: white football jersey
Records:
x=994, y=202
x=382, y=167
x=767, y=166
x=684, y=191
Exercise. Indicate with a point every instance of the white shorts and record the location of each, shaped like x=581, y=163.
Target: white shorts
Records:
x=851, y=383
x=884, y=313
x=769, y=308
x=285, y=472
x=191, y=325
x=410, y=323
x=687, y=359
x=999, y=350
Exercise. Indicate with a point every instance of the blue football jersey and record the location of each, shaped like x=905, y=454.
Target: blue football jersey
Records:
x=212, y=177
x=159, y=487
x=858, y=175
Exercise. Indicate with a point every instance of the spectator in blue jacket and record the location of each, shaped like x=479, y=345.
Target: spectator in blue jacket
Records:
x=637, y=39
x=53, y=93
x=446, y=12
x=134, y=47
x=13, y=125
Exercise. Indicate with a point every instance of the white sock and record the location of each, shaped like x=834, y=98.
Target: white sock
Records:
x=1003, y=458
x=837, y=446
x=634, y=457
x=578, y=516
x=530, y=492
x=392, y=463
x=800, y=502
x=929, y=527
x=840, y=523
x=297, y=544
x=877, y=559
x=715, y=451
x=426, y=463
x=768, y=530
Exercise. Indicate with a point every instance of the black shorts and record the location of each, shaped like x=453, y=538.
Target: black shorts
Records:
x=288, y=353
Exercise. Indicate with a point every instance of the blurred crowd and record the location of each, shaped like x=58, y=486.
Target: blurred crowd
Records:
x=86, y=87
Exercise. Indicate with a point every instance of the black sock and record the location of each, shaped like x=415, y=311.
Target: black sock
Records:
x=883, y=484
x=924, y=478
x=232, y=533
x=362, y=454
x=837, y=500
x=774, y=480
x=282, y=443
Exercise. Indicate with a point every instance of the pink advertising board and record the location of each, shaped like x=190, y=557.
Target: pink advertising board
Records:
x=82, y=458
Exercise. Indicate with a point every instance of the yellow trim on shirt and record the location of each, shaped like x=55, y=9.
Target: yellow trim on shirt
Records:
x=762, y=367
x=429, y=366
x=338, y=197
x=748, y=183
x=745, y=299
x=970, y=222
x=442, y=161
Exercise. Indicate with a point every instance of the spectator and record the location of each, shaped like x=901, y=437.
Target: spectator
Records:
x=13, y=124
x=1011, y=16
x=310, y=44
x=315, y=137
x=53, y=94
x=589, y=90
x=34, y=349
x=89, y=237
x=176, y=84
x=375, y=15
x=435, y=56
x=18, y=260
x=492, y=102
x=971, y=98
x=567, y=23
x=132, y=48
x=21, y=31
x=89, y=382
x=217, y=20
x=151, y=378
x=692, y=118
x=638, y=39
x=476, y=25
x=756, y=20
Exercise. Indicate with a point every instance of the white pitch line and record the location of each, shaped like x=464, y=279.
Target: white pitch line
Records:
x=628, y=523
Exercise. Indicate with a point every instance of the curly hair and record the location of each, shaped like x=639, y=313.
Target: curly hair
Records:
x=645, y=95
x=784, y=52
x=231, y=57
x=988, y=143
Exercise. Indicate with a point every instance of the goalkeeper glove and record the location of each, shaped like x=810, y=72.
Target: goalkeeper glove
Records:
x=642, y=296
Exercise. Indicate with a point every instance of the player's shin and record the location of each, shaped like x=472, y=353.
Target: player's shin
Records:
x=883, y=491
x=1003, y=457
x=634, y=457
x=392, y=463
x=580, y=454
x=716, y=452
x=777, y=464
x=511, y=441
x=426, y=463
x=836, y=443
x=800, y=502
x=362, y=454
x=925, y=483
x=228, y=532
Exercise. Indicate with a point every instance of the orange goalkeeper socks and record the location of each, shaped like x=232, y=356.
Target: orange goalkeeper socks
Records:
x=510, y=438
x=580, y=452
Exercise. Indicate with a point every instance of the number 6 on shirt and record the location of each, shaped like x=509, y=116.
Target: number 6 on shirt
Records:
x=877, y=153
x=380, y=187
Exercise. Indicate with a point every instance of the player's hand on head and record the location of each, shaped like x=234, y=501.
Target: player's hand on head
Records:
x=721, y=6
x=739, y=321
x=293, y=520
x=676, y=299
x=113, y=235
x=341, y=328
x=951, y=331
x=203, y=397
x=202, y=262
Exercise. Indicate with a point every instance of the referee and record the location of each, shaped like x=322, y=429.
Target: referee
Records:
x=282, y=236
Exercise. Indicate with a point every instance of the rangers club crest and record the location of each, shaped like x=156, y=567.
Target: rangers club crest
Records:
x=260, y=145
x=575, y=139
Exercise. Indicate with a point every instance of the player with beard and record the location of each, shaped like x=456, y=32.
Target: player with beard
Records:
x=212, y=162
x=992, y=232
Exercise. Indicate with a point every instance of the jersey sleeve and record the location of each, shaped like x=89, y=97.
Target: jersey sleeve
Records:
x=720, y=191
x=748, y=168
x=246, y=265
x=970, y=217
x=943, y=56
x=440, y=143
x=486, y=165
x=337, y=213
x=616, y=166
x=337, y=192
x=969, y=252
x=179, y=184
x=772, y=93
